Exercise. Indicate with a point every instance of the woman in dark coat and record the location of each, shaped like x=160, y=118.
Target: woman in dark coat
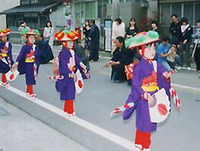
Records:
x=186, y=32
x=45, y=53
x=132, y=30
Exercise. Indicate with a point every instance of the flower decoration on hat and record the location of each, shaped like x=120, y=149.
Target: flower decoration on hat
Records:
x=66, y=35
x=5, y=32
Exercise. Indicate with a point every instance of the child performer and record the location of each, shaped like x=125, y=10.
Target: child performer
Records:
x=6, y=60
x=28, y=61
x=66, y=65
x=148, y=77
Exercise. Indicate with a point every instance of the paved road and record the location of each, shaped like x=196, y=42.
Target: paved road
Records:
x=179, y=133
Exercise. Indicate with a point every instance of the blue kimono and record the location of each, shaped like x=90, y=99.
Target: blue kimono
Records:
x=66, y=86
x=4, y=62
x=26, y=63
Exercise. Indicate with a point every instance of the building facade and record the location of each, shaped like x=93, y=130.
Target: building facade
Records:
x=4, y=6
x=104, y=9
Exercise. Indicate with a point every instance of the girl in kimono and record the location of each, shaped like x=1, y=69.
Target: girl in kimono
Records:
x=148, y=77
x=6, y=60
x=66, y=65
x=27, y=61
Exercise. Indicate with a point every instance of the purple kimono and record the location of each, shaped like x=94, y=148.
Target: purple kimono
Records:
x=142, y=70
x=6, y=62
x=66, y=86
x=27, y=67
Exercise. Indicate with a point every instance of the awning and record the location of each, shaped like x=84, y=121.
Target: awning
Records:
x=36, y=8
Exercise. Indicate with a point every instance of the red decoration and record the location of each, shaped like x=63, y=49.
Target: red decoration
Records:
x=12, y=76
x=162, y=109
x=80, y=84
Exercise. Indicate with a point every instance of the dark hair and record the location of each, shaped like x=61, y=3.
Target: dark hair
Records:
x=198, y=21
x=132, y=19
x=165, y=39
x=174, y=15
x=174, y=45
x=87, y=21
x=184, y=19
x=118, y=20
x=92, y=21
x=121, y=39
x=154, y=22
x=50, y=23
x=22, y=22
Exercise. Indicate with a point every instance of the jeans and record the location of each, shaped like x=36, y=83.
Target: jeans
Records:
x=185, y=58
x=166, y=65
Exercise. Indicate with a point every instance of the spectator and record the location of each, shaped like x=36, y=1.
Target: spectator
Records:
x=94, y=36
x=118, y=61
x=23, y=26
x=118, y=29
x=86, y=30
x=174, y=29
x=45, y=53
x=196, y=51
x=81, y=53
x=154, y=26
x=48, y=33
x=162, y=52
x=186, y=32
x=171, y=58
x=132, y=30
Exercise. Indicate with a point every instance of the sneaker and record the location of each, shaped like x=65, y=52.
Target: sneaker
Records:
x=138, y=147
x=179, y=68
x=33, y=96
x=6, y=85
x=146, y=149
x=67, y=115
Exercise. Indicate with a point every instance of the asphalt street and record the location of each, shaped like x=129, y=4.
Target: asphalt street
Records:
x=179, y=133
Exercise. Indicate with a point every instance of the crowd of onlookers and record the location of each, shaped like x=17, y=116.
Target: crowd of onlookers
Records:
x=174, y=52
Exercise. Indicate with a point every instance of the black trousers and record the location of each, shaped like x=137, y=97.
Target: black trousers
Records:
x=118, y=72
x=94, y=53
x=197, y=57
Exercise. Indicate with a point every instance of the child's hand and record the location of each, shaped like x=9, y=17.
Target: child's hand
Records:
x=107, y=65
x=56, y=72
x=167, y=75
x=14, y=67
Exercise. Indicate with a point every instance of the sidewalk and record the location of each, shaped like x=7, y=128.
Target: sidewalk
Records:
x=21, y=132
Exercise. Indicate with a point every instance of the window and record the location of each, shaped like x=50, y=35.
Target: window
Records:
x=197, y=14
x=25, y=2
x=165, y=16
x=176, y=9
x=188, y=12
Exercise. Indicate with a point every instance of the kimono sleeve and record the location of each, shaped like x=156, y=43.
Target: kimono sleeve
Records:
x=21, y=55
x=10, y=53
x=63, y=69
x=162, y=81
x=136, y=92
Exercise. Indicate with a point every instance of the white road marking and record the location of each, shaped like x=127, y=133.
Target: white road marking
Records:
x=89, y=126
x=185, y=87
